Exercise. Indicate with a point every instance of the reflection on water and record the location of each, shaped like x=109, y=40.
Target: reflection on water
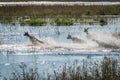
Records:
x=16, y=48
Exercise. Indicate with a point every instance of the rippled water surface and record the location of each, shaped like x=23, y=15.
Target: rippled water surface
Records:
x=16, y=48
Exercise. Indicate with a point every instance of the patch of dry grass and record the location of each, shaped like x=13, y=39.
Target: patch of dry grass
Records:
x=56, y=10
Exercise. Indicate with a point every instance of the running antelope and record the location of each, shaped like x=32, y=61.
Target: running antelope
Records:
x=75, y=39
x=33, y=39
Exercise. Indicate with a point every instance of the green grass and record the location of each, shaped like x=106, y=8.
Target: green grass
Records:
x=107, y=69
x=59, y=21
x=33, y=22
x=63, y=21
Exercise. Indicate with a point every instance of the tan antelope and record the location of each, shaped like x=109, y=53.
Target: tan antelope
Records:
x=75, y=39
x=88, y=34
x=86, y=30
x=33, y=39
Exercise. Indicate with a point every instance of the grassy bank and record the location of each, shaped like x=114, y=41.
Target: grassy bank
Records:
x=62, y=21
x=57, y=15
x=52, y=11
x=33, y=22
x=107, y=69
x=58, y=21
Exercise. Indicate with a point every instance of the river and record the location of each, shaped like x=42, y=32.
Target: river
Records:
x=16, y=48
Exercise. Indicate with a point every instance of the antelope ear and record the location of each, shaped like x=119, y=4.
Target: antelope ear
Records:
x=87, y=28
x=26, y=33
x=84, y=29
x=69, y=35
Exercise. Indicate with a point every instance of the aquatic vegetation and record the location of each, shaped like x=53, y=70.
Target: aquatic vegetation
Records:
x=31, y=74
x=107, y=69
x=33, y=22
x=63, y=21
x=6, y=20
x=59, y=21
x=103, y=22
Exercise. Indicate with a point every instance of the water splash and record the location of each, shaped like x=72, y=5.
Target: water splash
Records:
x=13, y=41
x=105, y=40
x=96, y=41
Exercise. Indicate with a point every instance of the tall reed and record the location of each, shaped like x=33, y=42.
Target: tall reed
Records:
x=107, y=69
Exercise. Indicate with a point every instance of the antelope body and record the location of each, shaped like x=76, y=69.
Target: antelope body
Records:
x=75, y=39
x=33, y=39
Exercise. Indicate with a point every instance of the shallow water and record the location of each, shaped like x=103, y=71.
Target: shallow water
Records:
x=16, y=48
